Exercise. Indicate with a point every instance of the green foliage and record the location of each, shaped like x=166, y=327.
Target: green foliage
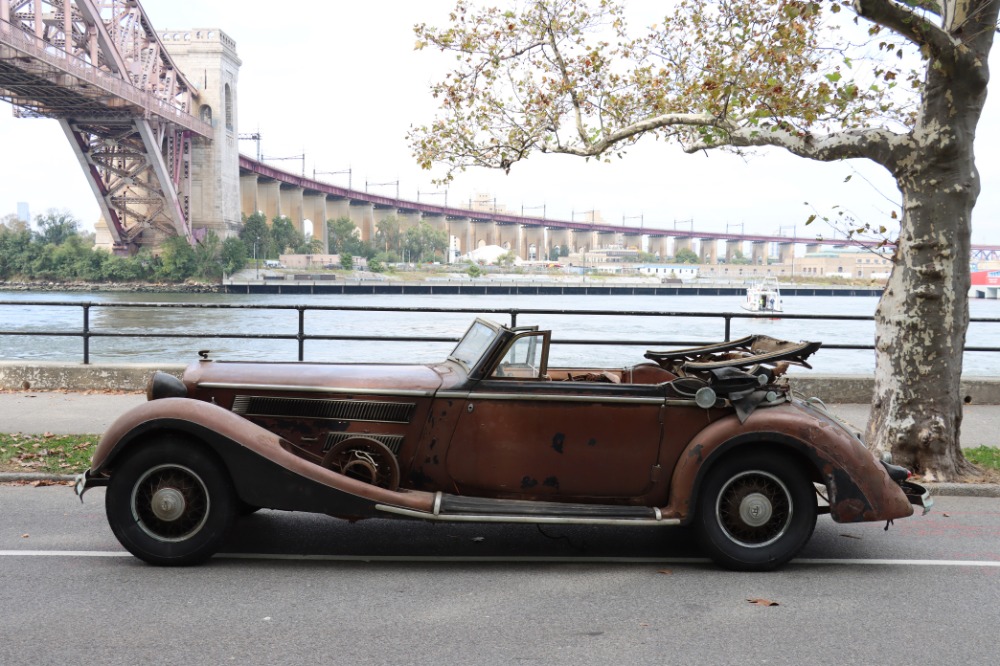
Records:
x=686, y=256
x=424, y=243
x=388, y=235
x=284, y=237
x=740, y=260
x=60, y=252
x=256, y=236
x=507, y=259
x=474, y=271
x=233, y=255
x=346, y=261
x=376, y=266
x=56, y=227
x=177, y=259
x=342, y=235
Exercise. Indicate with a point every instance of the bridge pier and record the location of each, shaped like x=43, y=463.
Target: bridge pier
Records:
x=759, y=253
x=292, y=200
x=362, y=214
x=708, y=250
x=314, y=205
x=681, y=244
x=508, y=237
x=534, y=246
x=269, y=199
x=561, y=237
x=786, y=253
x=732, y=248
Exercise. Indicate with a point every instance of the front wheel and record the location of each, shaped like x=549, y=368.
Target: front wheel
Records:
x=755, y=512
x=170, y=503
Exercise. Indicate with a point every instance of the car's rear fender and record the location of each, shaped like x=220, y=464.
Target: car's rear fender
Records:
x=858, y=487
x=264, y=474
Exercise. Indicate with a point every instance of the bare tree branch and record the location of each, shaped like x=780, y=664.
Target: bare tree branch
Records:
x=904, y=21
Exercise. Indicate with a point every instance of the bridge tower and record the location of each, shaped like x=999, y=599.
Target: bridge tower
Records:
x=209, y=55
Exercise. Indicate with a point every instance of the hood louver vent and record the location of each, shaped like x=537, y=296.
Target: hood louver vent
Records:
x=344, y=410
x=392, y=442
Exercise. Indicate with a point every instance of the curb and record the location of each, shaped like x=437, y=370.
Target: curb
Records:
x=936, y=489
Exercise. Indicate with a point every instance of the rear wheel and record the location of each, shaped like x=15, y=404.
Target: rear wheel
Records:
x=170, y=503
x=755, y=512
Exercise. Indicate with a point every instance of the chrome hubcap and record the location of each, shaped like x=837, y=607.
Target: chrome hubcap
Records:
x=168, y=504
x=755, y=510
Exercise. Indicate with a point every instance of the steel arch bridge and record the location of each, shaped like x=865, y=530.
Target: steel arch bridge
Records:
x=98, y=67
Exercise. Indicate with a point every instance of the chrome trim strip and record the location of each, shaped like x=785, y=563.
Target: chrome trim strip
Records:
x=409, y=393
x=548, y=397
x=438, y=496
x=531, y=520
x=657, y=513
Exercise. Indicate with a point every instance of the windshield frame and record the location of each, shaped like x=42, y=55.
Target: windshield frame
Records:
x=475, y=344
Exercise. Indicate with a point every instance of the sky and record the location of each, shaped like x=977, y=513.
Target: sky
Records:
x=341, y=82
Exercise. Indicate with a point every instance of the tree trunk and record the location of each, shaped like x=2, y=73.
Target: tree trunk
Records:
x=920, y=332
x=921, y=320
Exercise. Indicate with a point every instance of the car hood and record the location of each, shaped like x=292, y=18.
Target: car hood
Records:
x=304, y=376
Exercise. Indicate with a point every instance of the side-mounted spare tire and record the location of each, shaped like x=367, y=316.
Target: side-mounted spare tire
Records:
x=755, y=511
x=170, y=502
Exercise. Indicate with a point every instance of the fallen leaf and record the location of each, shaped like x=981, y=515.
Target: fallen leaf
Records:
x=666, y=572
x=25, y=536
x=946, y=515
x=763, y=602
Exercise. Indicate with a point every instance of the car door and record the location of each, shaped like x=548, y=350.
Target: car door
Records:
x=521, y=435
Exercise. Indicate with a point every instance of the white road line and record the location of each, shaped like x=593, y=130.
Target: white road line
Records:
x=499, y=558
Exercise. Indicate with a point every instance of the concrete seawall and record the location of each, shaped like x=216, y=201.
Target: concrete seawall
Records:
x=42, y=376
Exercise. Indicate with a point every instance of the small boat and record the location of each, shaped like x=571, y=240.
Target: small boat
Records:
x=763, y=296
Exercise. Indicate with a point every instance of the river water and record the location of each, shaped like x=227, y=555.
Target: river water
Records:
x=133, y=321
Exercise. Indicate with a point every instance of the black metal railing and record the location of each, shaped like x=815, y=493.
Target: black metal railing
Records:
x=86, y=333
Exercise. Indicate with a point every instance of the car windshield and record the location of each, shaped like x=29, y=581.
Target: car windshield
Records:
x=474, y=344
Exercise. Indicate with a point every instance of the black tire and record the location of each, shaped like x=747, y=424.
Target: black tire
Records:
x=170, y=502
x=755, y=512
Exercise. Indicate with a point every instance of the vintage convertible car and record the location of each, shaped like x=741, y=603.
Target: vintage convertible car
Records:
x=711, y=437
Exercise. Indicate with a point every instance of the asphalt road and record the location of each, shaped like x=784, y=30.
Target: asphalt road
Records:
x=304, y=589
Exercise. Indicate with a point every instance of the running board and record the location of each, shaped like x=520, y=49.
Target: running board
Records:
x=455, y=509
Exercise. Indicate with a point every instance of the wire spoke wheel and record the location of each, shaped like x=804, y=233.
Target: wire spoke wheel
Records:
x=170, y=503
x=754, y=509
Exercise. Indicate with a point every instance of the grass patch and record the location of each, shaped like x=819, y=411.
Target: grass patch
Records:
x=52, y=454
x=987, y=457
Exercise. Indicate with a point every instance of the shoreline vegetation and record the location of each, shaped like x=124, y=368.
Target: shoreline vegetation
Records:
x=52, y=254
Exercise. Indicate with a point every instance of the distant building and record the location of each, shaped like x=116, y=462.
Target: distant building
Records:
x=682, y=272
x=857, y=264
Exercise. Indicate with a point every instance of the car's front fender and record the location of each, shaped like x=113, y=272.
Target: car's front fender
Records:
x=263, y=472
x=858, y=487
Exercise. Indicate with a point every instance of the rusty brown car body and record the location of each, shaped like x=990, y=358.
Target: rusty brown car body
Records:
x=712, y=437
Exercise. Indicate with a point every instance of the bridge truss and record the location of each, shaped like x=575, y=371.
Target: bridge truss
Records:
x=98, y=67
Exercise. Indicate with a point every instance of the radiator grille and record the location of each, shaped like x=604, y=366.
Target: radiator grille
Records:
x=392, y=442
x=347, y=410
